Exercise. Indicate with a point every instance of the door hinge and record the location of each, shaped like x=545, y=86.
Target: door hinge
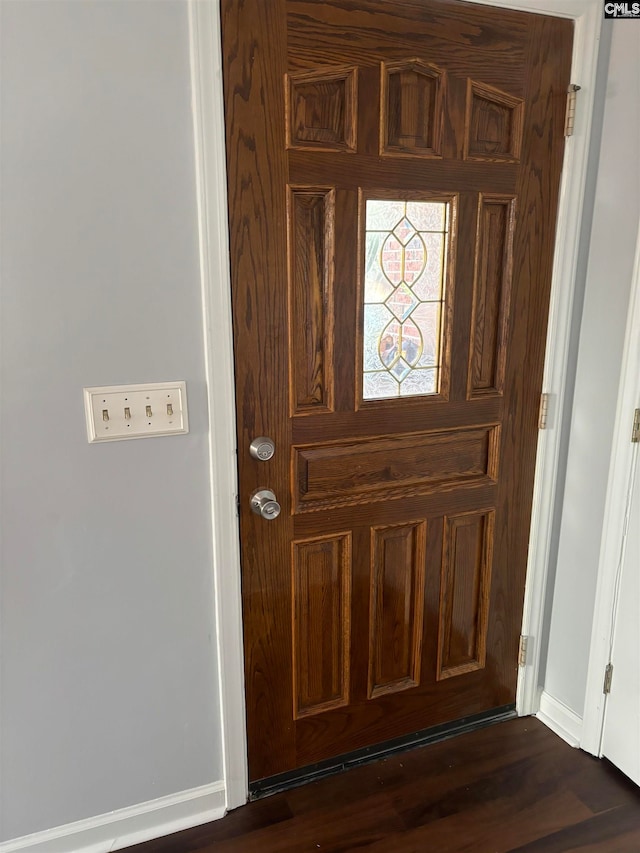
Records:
x=570, y=115
x=522, y=650
x=635, y=432
x=608, y=676
x=238, y=505
x=544, y=411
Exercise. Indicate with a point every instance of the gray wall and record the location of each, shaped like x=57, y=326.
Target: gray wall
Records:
x=602, y=330
x=109, y=682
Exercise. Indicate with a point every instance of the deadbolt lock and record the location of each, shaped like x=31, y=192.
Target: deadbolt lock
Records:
x=262, y=448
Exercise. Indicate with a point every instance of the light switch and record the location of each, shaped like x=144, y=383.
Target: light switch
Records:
x=116, y=412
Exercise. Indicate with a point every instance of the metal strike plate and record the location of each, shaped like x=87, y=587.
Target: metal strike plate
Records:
x=262, y=448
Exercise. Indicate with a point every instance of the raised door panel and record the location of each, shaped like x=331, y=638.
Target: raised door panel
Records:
x=321, y=623
x=467, y=556
x=379, y=469
x=494, y=124
x=321, y=109
x=311, y=215
x=397, y=605
x=411, y=109
x=491, y=294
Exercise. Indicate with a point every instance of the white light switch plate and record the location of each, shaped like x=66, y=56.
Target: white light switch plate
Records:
x=116, y=412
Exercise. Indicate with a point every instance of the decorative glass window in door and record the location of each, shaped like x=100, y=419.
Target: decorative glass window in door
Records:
x=404, y=276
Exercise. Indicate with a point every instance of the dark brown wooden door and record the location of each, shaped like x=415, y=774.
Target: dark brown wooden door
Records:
x=393, y=181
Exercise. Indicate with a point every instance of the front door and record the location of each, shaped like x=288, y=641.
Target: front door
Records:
x=393, y=182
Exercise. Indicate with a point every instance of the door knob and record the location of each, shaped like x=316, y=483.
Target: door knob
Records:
x=264, y=503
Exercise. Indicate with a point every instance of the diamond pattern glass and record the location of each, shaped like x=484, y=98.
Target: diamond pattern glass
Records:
x=402, y=302
x=404, y=231
x=404, y=275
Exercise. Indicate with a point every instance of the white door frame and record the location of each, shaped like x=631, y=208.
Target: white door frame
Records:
x=208, y=117
x=615, y=520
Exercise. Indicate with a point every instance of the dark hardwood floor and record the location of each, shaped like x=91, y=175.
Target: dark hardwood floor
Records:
x=512, y=787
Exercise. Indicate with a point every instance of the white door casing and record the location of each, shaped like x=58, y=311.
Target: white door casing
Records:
x=619, y=564
x=621, y=733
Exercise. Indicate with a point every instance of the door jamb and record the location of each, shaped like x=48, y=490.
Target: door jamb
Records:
x=213, y=227
x=587, y=17
x=623, y=458
x=210, y=163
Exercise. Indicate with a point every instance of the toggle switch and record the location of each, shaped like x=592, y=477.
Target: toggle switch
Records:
x=105, y=414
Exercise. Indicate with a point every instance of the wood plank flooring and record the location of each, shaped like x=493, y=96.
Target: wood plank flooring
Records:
x=511, y=788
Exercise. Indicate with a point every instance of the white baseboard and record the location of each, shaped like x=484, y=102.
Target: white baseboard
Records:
x=132, y=825
x=559, y=718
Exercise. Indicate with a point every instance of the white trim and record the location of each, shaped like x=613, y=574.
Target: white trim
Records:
x=560, y=719
x=209, y=132
x=622, y=457
x=575, y=9
x=132, y=825
x=587, y=15
x=209, y=126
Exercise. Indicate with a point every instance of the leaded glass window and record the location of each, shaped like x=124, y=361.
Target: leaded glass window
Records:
x=404, y=277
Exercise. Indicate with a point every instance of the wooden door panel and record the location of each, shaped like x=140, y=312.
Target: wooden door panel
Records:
x=491, y=294
x=396, y=607
x=493, y=124
x=412, y=98
x=462, y=310
x=465, y=584
x=321, y=574
x=387, y=596
x=321, y=109
x=311, y=216
x=332, y=475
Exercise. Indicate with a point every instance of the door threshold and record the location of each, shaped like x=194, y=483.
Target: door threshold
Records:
x=331, y=766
